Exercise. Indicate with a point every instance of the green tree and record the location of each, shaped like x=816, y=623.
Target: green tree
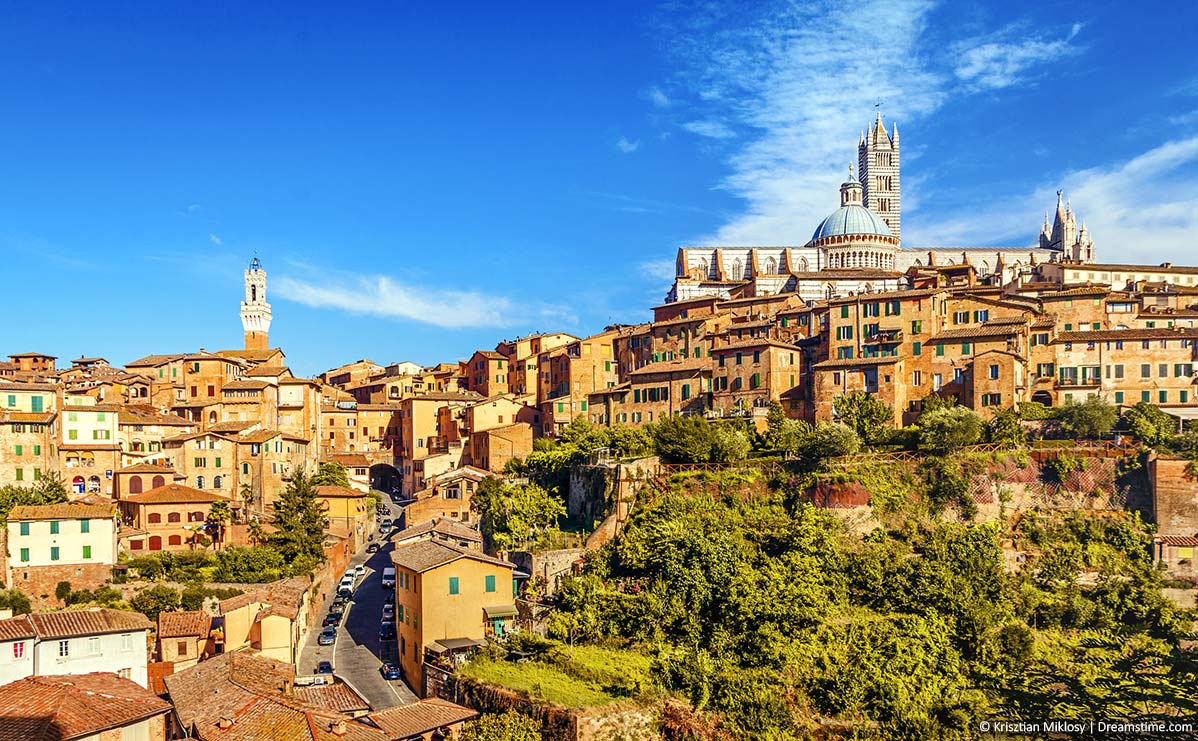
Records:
x=220, y=512
x=946, y=429
x=1150, y=424
x=331, y=474
x=508, y=726
x=933, y=401
x=62, y=590
x=682, y=439
x=827, y=440
x=300, y=524
x=1006, y=430
x=254, y=564
x=729, y=442
x=15, y=600
x=866, y=414
x=512, y=514
x=1091, y=418
x=47, y=490
x=154, y=600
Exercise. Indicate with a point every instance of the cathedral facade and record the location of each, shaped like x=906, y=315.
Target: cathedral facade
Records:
x=857, y=248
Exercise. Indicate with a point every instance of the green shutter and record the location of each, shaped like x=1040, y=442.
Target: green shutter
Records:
x=19, y=449
x=54, y=553
x=36, y=403
x=25, y=555
x=54, y=527
x=87, y=551
x=24, y=528
x=490, y=583
x=453, y=585
x=85, y=526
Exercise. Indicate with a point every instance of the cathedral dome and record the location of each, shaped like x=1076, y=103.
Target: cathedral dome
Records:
x=851, y=219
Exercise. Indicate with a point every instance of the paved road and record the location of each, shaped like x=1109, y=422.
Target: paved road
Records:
x=356, y=654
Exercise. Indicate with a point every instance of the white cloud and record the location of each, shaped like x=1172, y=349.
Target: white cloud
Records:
x=659, y=270
x=194, y=208
x=998, y=61
x=655, y=96
x=1140, y=210
x=382, y=296
x=215, y=239
x=626, y=146
x=710, y=129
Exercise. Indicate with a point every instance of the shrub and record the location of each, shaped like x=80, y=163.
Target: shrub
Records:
x=947, y=429
x=1091, y=418
x=866, y=414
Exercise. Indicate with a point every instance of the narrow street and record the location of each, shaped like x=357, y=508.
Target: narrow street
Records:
x=356, y=653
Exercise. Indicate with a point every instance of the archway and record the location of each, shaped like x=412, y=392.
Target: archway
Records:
x=77, y=485
x=158, y=481
x=93, y=484
x=135, y=484
x=385, y=477
x=1042, y=397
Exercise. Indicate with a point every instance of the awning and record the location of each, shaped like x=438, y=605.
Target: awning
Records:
x=501, y=611
x=442, y=645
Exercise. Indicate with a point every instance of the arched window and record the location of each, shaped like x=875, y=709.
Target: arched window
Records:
x=158, y=481
x=216, y=482
x=211, y=418
x=135, y=484
x=703, y=269
x=195, y=516
x=771, y=266
x=803, y=265
x=174, y=540
x=174, y=517
x=93, y=484
x=155, y=543
x=738, y=269
x=253, y=293
x=199, y=482
x=154, y=518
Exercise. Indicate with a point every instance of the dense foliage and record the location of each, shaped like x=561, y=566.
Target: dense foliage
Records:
x=49, y=489
x=508, y=726
x=300, y=524
x=768, y=614
x=514, y=514
x=866, y=414
x=331, y=474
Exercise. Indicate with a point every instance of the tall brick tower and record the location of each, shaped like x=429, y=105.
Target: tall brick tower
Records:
x=255, y=312
x=878, y=171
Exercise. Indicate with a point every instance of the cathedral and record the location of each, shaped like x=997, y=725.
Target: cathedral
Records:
x=857, y=248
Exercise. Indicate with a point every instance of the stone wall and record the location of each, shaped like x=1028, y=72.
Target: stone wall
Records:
x=39, y=582
x=1174, y=496
x=546, y=567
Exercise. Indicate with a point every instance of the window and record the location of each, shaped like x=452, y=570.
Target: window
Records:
x=1162, y=370
x=917, y=327
x=966, y=348
x=64, y=649
x=917, y=378
x=939, y=350
x=917, y=348
x=844, y=312
x=981, y=316
x=24, y=528
x=25, y=555
x=87, y=551
x=453, y=585
x=490, y=583
x=1146, y=370
x=54, y=527
x=19, y=448
x=18, y=650
x=991, y=400
x=93, y=646
x=1118, y=397
x=1145, y=396
x=844, y=333
x=85, y=526
x=937, y=381
x=1164, y=396
x=54, y=553
x=960, y=317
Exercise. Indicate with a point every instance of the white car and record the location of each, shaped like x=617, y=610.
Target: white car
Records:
x=360, y=569
x=389, y=612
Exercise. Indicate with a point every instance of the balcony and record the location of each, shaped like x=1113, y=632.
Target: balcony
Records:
x=884, y=337
x=1084, y=382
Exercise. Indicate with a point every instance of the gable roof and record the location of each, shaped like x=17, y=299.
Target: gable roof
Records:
x=439, y=525
x=185, y=623
x=73, y=623
x=56, y=708
x=412, y=720
x=64, y=511
x=174, y=494
x=425, y=555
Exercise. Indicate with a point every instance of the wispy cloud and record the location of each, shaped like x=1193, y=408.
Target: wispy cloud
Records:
x=383, y=296
x=1002, y=60
x=214, y=239
x=626, y=146
x=794, y=82
x=710, y=129
x=655, y=96
x=658, y=270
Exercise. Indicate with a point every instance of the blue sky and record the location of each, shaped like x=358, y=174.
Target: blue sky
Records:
x=420, y=180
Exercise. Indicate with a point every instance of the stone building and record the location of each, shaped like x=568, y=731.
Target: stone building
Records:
x=52, y=543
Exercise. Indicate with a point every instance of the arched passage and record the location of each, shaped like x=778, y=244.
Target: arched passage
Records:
x=1042, y=397
x=385, y=477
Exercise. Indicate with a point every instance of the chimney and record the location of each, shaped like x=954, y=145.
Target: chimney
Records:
x=338, y=728
x=224, y=722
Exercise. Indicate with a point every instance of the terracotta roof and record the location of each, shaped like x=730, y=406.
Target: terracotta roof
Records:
x=73, y=706
x=219, y=686
x=65, y=511
x=879, y=296
x=29, y=386
x=183, y=623
x=406, y=721
x=447, y=396
x=338, y=697
x=282, y=596
x=672, y=366
x=252, y=355
x=756, y=342
x=1107, y=266
x=16, y=628
x=985, y=330
x=135, y=416
x=257, y=436
x=424, y=555
x=74, y=623
x=153, y=360
x=231, y=426
x=1175, y=333
x=268, y=370
x=174, y=494
x=490, y=355
x=338, y=491
x=39, y=418
x=439, y=525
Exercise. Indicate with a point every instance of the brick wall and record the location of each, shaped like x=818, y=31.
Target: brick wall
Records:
x=38, y=582
x=1174, y=496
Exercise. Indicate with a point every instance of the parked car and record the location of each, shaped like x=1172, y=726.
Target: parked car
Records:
x=385, y=524
x=388, y=611
x=333, y=618
x=372, y=548
x=387, y=631
x=360, y=569
x=338, y=603
x=324, y=667
x=391, y=670
x=345, y=593
x=328, y=636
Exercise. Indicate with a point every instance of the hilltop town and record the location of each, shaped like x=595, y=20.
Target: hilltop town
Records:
x=198, y=543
